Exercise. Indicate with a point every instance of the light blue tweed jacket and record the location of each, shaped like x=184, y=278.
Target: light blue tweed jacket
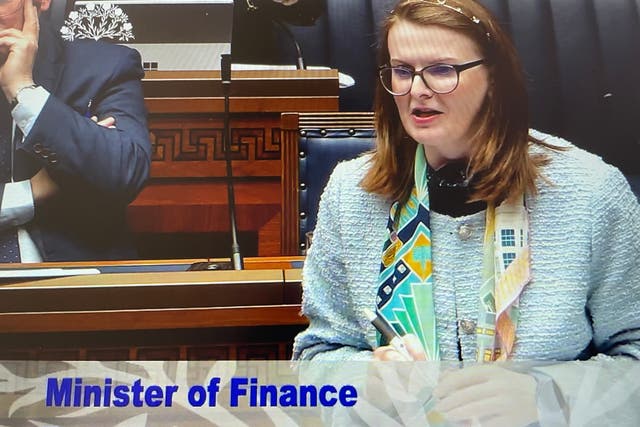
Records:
x=585, y=251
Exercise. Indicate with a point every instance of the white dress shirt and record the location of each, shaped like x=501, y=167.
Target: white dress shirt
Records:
x=17, y=206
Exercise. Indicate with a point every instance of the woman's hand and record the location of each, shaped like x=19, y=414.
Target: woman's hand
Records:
x=487, y=395
x=389, y=353
x=400, y=390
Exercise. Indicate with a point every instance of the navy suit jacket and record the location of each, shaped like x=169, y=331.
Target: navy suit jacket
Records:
x=98, y=170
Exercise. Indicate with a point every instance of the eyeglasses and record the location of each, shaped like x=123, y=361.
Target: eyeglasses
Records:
x=440, y=78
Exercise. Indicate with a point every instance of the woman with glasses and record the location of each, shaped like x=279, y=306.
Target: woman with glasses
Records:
x=473, y=237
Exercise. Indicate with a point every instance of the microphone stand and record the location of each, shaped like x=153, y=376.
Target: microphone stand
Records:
x=299, y=58
x=237, y=262
x=225, y=72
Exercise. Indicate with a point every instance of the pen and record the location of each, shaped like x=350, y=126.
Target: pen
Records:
x=87, y=113
x=388, y=333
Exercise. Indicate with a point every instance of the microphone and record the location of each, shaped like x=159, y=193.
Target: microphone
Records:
x=237, y=262
x=225, y=68
x=225, y=77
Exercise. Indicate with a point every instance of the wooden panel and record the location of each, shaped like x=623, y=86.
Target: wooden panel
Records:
x=158, y=353
x=247, y=83
x=193, y=147
x=133, y=280
x=107, y=354
x=250, y=263
x=202, y=206
x=292, y=286
x=241, y=105
x=60, y=354
x=150, y=319
x=290, y=233
x=172, y=207
x=185, y=193
x=132, y=301
x=217, y=352
x=126, y=292
x=251, y=314
x=259, y=352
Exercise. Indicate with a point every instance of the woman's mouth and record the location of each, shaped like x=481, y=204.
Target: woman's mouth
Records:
x=425, y=114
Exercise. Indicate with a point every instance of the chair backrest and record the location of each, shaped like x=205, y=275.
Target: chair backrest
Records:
x=634, y=181
x=312, y=145
x=581, y=59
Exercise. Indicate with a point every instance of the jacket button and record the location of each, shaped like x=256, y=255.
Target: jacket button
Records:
x=467, y=326
x=37, y=148
x=465, y=231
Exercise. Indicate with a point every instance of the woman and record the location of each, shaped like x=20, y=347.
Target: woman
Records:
x=473, y=236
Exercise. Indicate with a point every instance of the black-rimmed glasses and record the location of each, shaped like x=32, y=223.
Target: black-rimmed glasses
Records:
x=440, y=78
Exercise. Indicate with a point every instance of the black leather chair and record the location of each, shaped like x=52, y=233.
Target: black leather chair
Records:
x=312, y=144
x=634, y=181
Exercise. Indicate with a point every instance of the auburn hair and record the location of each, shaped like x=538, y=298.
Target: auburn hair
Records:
x=499, y=162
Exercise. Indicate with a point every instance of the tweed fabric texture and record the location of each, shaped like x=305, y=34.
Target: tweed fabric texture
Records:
x=584, y=241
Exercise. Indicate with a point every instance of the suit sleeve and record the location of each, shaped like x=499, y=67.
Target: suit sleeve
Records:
x=615, y=293
x=604, y=390
x=333, y=333
x=78, y=153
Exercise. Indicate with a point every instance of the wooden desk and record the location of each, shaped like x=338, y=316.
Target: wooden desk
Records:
x=187, y=191
x=201, y=207
x=250, y=314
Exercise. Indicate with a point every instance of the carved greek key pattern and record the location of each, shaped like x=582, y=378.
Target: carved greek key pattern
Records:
x=206, y=144
x=162, y=142
x=201, y=143
x=241, y=142
x=270, y=150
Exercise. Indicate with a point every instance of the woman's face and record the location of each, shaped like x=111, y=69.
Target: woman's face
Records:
x=441, y=122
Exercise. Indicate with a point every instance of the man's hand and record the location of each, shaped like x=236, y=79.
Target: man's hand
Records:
x=20, y=48
x=43, y=187
x=108, y=122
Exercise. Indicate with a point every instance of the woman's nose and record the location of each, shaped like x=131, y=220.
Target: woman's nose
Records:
x=420, y=88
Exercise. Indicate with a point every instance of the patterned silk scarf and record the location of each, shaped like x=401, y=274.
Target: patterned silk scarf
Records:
x=406, y=286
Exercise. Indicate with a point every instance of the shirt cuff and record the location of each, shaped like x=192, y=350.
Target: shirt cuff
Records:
x=29, y=108
x=17, y=204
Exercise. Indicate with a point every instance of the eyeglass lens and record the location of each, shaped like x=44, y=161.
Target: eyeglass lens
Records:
x=440, y=78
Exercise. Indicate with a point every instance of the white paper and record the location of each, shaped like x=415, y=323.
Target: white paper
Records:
x=46, y=272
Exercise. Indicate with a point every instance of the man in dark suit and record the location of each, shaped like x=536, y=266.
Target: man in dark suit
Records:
x=69, y=178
